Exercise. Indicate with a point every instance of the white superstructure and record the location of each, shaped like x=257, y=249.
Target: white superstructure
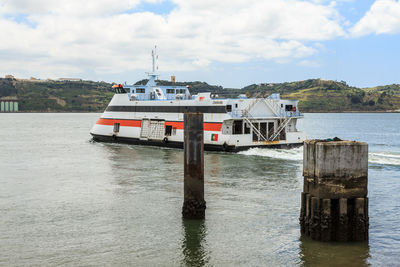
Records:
x=153, y=115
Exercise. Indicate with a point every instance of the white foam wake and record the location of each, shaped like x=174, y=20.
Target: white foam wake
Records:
x=384, y=158
x=286, y=154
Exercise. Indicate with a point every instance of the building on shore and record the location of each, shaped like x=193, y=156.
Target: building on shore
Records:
x=9, y=104
x=9, y=76
x=70, y=79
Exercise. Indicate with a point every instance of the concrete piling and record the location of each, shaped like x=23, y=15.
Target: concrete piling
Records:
x=194, y=204
x=334, y=203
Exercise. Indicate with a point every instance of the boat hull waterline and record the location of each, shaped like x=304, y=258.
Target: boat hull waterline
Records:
x=179, y=145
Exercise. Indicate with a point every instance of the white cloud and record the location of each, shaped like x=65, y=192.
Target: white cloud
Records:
x=382, y=18
x=74, y=38
x=66, y=7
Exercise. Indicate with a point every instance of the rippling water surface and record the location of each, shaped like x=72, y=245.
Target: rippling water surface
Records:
x=65, y=200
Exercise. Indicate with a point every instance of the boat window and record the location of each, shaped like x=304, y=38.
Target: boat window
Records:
x=236, y=105
x=140, y=90
x=246, y=128
x=170, y=91
x=228, y=108
x=238, y=127
x=132, y=90
x=168, y=130
x=120, y=90
x=288, y=107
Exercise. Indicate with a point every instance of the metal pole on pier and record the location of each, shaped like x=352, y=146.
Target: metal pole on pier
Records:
x=334, y=203
x=194, y=204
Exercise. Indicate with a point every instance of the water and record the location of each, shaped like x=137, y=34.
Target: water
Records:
x=66, y=201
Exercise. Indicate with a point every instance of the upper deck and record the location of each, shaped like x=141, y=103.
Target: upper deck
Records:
x=152, y=91
x=178, y=98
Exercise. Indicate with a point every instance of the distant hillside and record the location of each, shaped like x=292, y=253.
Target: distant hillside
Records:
x=315, y=95
x=58, y=96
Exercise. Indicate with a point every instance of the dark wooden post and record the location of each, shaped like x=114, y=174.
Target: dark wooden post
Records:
x=334, y=199
x=194, y=204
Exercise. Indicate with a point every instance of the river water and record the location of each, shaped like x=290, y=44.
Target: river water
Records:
x=67, y=201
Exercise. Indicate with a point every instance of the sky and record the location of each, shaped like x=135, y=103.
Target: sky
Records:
x=232, y=43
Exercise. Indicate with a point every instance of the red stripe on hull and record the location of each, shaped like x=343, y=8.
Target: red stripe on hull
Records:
x=129, y=123
x=175, y=124
x=207, y=125
x=212, y=126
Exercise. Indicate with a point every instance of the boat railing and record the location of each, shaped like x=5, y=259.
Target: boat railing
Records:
x=147, y=97
x=291, y=114
x=283, y=114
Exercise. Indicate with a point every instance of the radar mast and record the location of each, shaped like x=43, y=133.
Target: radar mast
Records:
x=153, y=75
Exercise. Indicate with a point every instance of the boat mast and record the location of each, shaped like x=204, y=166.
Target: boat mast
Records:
x=153, y=75
x=153, y=55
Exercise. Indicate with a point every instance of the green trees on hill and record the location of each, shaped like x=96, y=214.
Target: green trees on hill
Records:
x=62, y=96
x=7, y=87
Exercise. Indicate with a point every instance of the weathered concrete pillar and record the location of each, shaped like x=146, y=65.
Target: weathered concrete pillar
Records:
x=194, y=205
x=326, y=220
x=334, y=203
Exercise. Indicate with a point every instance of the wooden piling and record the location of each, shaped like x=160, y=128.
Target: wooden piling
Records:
x=194, y=204
x=334, y=199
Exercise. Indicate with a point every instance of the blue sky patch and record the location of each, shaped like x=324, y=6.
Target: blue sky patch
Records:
x=21, y=18
x=161, y=8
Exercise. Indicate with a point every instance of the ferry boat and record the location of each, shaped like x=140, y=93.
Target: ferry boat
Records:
x=153, y=115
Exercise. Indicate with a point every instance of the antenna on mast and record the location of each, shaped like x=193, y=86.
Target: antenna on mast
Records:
x=153, y=75
x=154, y=57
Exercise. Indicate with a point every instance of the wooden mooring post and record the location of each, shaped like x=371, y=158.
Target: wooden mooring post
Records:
x=194, y=204
x=334, y=203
